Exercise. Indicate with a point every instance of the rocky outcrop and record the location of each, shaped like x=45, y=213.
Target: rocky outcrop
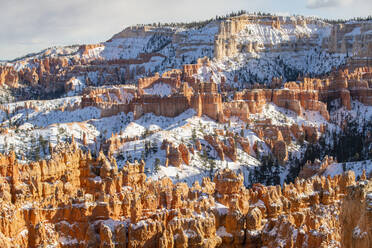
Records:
x=84, y=49
x=254, y=99
x=244, y=143
x=76, y=200
x=351, y=38
x=188, y=92
x=175, y=155
x=8, y=76
x=226, y=43
x=316, y=168
x=223, y=148
x=280, y=151
x=298, y=100
x=184, y=153
x=356, y=226
x=342, y=84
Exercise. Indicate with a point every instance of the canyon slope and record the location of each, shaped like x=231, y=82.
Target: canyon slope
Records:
x=244, y=131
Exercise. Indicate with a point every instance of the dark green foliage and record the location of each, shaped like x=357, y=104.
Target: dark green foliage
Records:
x=349, y=145
x=339, y=21
x=200, y=24
x=157, y=42
x=157, y=165
x=268, y=173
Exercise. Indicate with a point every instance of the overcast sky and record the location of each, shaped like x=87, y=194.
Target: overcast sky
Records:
x=31, y=25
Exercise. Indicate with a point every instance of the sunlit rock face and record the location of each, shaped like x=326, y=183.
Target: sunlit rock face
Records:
x=75, y=200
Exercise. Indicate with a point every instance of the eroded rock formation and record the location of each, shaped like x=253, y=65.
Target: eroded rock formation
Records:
x=75, y=200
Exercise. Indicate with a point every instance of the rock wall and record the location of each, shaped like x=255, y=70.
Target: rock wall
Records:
x=356, y=226
x=52, y=74
x=208, y=99
x=343, y=84
x=316, y=168
x=175, y=155
x=8, y=76
x=352, y=38
x=226, y=41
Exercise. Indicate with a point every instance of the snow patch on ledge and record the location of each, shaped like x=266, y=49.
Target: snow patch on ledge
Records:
x=357, y=167
x=160, y=89
x=222, y=232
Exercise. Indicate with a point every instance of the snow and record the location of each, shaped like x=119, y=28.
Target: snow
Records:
x=160, y=89
x=179, y=130
x=221, y=209
x=58, y=120
x=360, y=112
x=139, y=224
x=174, y=46
x=44, y=105
x=221, y=231
x=97, y=179
x=112, y=224
x=190, y=233
x=337, y=168
x=24, y=233
x=369, y=196
x=67, y=240
x=274, y=54
x=27, y=205
x=122, y=48
x=266, y=34
x=261, y=67
x=281, y=116
x=53, y=124
x=78, y=84
x=358, y=234
x=52, y=117
x=171, y=47
x=126, y=97
x=356, y=31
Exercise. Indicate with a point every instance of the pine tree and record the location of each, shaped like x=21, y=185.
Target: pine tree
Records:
x=157, y=165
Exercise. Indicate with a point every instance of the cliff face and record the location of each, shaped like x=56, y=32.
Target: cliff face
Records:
x=310, y=94
x=75, y=200
x=228, y=41
x=356, y=225
x=176, y=91
x=133, y=53
x=352, y=38
x=241, y=34
x=303, y=46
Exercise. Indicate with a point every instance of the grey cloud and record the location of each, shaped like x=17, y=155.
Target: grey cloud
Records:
x=315, y=4
x=32, y=25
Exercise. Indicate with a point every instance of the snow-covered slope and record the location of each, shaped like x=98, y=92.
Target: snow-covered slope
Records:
x=49, y=123
x=261, y=49
x=357, y=167
x=294, y=46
